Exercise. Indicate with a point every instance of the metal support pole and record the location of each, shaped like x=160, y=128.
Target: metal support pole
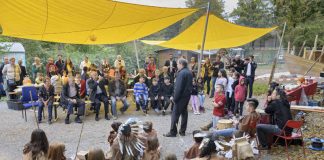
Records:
x=136, y=53
x=204, y=39
x=276, y=58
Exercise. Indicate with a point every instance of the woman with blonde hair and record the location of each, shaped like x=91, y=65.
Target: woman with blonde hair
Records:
x=37, y=67
x=56, y=151
x=96, y=154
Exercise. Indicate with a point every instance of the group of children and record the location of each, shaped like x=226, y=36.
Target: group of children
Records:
x=160, y=94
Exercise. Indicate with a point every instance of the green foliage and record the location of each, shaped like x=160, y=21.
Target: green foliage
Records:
x=253, y=13
x=216, y=8
x=259, y=88
x=304, y=20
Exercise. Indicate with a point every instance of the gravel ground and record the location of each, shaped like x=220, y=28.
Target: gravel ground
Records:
x=15, y=132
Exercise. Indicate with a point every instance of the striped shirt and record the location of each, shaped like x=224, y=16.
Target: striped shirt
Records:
x=140, y=88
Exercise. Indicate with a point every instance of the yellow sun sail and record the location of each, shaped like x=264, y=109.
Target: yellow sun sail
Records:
x=220, y=34
x=84, y=21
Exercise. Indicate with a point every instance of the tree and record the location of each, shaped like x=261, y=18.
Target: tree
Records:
x=304, y=20
x=253, y=13
x=216, y=8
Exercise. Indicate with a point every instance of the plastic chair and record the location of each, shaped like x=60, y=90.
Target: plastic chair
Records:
x=29, y=98
x=298, y=135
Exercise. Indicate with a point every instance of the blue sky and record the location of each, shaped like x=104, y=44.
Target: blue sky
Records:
x=229, y=4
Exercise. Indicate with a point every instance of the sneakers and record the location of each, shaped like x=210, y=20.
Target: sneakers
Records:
x=115, y=118
x=137, y=109
x=196, y=113
x=49, y=122
x=163, y=112
x=157, y=111
x=97, y=118
x=106, y=117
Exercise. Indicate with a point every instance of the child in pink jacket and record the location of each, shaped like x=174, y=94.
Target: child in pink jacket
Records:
x=240, y=96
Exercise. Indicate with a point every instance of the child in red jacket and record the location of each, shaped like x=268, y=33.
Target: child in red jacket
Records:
x=240, y=96
x=219, y=104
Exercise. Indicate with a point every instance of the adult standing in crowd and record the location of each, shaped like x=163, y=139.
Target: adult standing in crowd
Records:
x=5, y=61
x=119, y=62
x=37, y=67
x=182, y=93
x=206, y=73
x=193, y=66
x=117, y=91
x=68, y=66
x=2, y=77
x=146, y=63
x=279, y=108
x=12, y=73
x=172, y=66
x=50, y=66
x=23, y=72
x=97, y=93
x=216, y=66
x=238, y=64
x=59, y=64
x=105, y=66
x=249, y=73
x=151, y=67
x=85, y=63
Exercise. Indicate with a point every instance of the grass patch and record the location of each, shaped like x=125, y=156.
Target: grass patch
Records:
x=260, y=88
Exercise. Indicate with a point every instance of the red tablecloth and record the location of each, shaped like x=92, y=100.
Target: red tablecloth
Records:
x=295, y=94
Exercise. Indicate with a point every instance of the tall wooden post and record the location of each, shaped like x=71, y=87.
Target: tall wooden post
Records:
x=276, y=58
x=204, y=39
x=314, y=48
x=301, y=49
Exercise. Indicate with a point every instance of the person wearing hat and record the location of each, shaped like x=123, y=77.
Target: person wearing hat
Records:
x=193, y=66
x=247, y=124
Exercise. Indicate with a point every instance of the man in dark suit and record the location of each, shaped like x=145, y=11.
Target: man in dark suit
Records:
x=249, y=73
x=59, y=64
x=182, y=92
x=23, y=72
x=71, y=98
x=97, y=93
x=172, y=66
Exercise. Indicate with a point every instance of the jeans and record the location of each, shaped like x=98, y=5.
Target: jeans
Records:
x=79, y=104
x=224, y=132
x=201, y=99
x=50, y=110
x=238, y=108
x=142, y=101
x=208, y=83
x=263, y=132
x=195, y=103
x=215, y=121
x=250, y=80
x=113, y=104
x=213, y=79
x=166, y=102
